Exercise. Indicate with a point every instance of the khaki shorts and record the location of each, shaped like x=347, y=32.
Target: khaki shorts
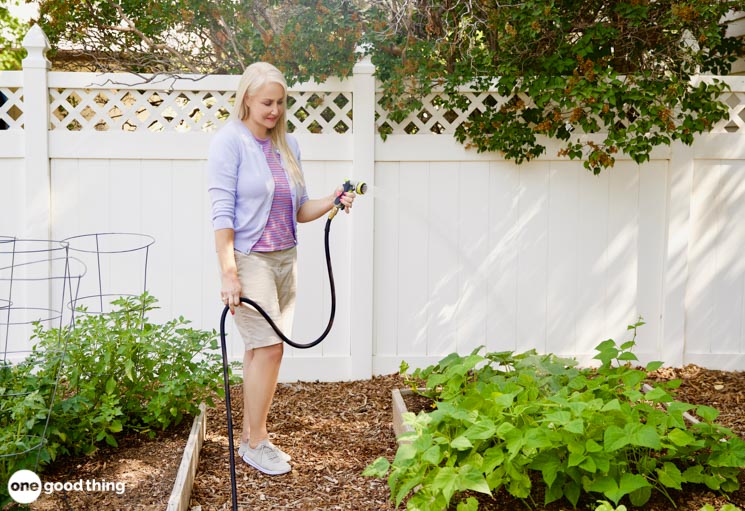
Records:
x=269, y=279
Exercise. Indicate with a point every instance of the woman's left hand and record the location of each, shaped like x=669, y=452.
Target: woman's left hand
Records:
x=346, y=198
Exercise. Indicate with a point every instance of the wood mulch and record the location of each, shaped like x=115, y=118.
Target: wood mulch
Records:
x=332, y=431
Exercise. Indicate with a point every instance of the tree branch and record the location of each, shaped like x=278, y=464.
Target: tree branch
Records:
x=148, y=41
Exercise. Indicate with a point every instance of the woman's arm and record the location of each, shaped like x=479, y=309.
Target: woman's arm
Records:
x=231, y=286
x=316, y=208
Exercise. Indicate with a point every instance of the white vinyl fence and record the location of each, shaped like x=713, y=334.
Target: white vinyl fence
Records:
x=449, y=250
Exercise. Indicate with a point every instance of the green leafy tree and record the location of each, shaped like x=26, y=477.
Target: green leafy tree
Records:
x=12, y=31
x=599, y=76
x=306, y=38
x=620, y=71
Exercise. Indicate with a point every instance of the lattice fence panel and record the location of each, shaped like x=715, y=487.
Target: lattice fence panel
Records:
x=735, y=100
x=320, y=112
x=11, y=108
x=138, y=110
x=167, y=111
x=434, y=118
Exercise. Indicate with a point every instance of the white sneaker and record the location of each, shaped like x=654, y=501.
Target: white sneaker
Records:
x=282, y=454
x=266, y=459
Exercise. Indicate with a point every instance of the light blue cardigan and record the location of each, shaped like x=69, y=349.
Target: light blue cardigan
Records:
x=241, y=186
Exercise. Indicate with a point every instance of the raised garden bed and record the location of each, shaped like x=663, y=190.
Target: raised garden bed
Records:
x=724, y=390
x=315, y=422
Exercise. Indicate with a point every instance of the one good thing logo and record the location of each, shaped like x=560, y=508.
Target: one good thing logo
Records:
x=24, y=486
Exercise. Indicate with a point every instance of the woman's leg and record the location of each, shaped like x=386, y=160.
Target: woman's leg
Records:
x=259, y=383
x=247, y=358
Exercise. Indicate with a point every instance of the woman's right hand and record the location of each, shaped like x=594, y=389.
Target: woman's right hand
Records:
x=231, y=291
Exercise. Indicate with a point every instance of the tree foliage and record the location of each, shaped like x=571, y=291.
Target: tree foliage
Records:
x=622, y=69
x=307, y=38
x=600, y=76
x=12, y=31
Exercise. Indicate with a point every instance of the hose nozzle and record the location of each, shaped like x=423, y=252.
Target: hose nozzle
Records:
x=359, y=188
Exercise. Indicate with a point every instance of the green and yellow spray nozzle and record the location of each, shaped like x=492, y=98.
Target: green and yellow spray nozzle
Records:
x=359, y=188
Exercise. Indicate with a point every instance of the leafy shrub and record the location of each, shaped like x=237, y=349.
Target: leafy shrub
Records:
x=726, y=507
x=501, y=418
x=117, y=372
x=607, y=506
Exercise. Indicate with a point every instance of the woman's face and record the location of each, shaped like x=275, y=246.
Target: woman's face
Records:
x=265, y=109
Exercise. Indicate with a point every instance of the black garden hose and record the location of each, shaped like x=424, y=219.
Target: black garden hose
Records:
x=226, y=376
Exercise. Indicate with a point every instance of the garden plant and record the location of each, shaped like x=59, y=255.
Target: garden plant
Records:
x=607, y=506
x=513, y=421
x=116, y=372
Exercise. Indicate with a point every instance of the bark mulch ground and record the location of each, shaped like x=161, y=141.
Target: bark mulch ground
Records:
x=332, y=431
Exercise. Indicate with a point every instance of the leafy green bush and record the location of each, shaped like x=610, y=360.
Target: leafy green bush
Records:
x=726, y=507
x=501, y=418
x=607, y=506
x=117, y=372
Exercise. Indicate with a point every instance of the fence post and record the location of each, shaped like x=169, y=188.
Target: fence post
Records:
x=363, y=219
x=676, y=263
x=37, y=180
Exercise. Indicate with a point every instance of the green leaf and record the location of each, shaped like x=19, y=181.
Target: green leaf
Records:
x=405, y=452
x=616, y=490
x=633, y=482
x=653, y=366
x=128, y=366
x=694, y=474
x=559, y=418
x=669, y=475
x=575, y=458
x=504, y=400
x=446, y=481
x=627, y=356
x=644, y=436
x=432, y=455
x=493, y=457
x=680, y=438
x=633, y=379
x=576, y=426
x=473, y=479
x=612, y=405
x=471, y=504
x=614, y=438
x=657, y=395
x=549, y=464
x=572, y=492
x=707, y=413
x=378, y=468
x=640, y=496
x=481, y=430
x=592, y=446
x=504, y=430
x=461, y=443
x=589, y=465
x=537, y=438
x=110, y=385
x=554, y=492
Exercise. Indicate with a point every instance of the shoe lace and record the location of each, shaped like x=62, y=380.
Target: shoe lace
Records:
x=272, y=453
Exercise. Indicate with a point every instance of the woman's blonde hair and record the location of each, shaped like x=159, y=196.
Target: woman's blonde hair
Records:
x=254, y=78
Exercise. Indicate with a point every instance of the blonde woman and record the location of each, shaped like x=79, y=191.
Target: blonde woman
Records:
x=258, y=196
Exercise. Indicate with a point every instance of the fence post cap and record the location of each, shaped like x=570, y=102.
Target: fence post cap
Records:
x=37, y=45
x=364, y=66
